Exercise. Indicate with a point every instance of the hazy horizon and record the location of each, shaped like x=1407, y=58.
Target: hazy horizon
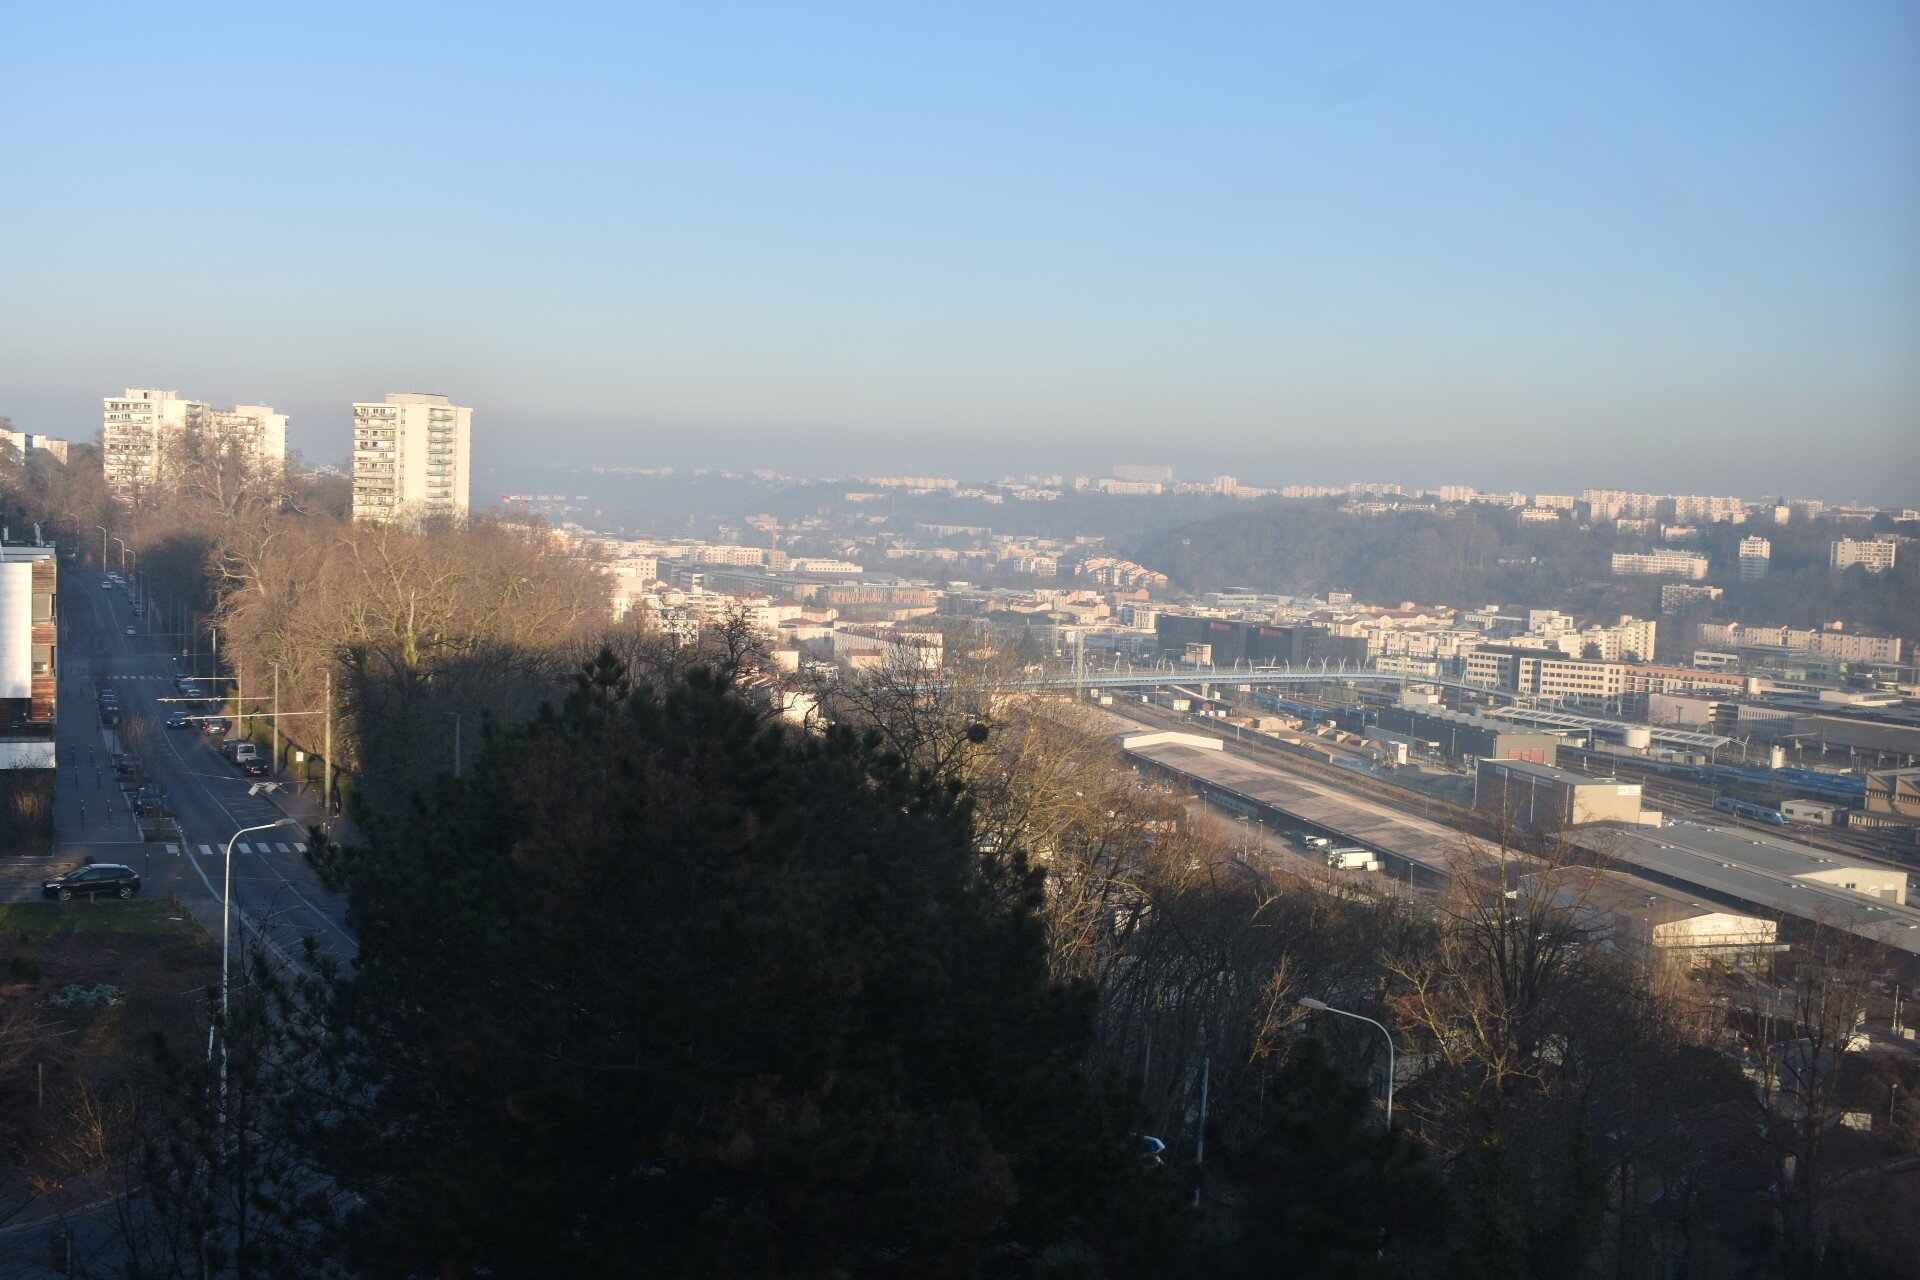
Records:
x=1641, y=248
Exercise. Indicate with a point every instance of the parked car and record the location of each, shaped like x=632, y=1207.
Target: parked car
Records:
x=131, y=631
x=255, y=767
x=179, y=720
x=92, y=879
x=215, y=728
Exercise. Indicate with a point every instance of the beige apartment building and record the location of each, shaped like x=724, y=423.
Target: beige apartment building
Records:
x=412, y=457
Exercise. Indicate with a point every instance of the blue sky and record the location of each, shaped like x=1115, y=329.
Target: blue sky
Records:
x=1654, y=246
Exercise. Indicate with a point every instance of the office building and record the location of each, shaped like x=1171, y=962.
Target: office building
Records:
x=1874, y=555
x=1756, y=554
x=411, y=457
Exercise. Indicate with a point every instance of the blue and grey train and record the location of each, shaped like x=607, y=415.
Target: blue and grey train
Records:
x=1750, y=811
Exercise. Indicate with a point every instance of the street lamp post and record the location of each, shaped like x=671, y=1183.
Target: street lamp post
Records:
x=1321, y=1006
x=103, y=546
x=226, y=924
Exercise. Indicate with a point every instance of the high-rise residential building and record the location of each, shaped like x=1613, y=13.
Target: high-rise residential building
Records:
x=1664, y=561
x=1756, y=554
x=24, y=443
x=1709, y=510
x=1874, y=555
x=141, y=429
x=138, y=430
x=411, y=457
x=252, y=430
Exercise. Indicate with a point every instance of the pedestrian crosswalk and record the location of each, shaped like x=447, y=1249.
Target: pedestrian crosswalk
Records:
x=257, y=846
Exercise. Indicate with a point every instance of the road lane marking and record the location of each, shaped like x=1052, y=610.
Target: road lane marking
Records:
x=206, y=851
x=173, y=849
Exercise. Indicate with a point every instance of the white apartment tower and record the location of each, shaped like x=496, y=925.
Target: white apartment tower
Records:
x=1874, y=555
x=1756, y=556
x=137, y=431
x=254, y=431
x=140, y=429
x=411, y=457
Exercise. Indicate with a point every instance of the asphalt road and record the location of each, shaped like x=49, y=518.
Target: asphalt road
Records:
x=274, y=890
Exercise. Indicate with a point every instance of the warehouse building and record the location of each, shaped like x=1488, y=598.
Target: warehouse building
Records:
x=1539, y=795
x=1463, y=736
x=1650, y=921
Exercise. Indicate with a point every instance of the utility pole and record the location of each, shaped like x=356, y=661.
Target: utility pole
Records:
x=456, y=744
x=276, y=717
x=1200, y=1144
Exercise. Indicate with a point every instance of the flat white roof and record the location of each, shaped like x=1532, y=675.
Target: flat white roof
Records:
x=1753, y=867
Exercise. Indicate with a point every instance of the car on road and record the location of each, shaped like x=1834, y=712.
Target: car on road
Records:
x=178, y=720
x=131, y=631
x=91, y=879
x=254, y=767
x=106, y=584
x=215, y=728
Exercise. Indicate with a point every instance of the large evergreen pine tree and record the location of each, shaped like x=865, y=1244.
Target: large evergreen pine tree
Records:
x=657, y=989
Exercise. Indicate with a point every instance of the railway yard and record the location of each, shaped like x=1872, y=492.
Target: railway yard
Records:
x=1799, y=873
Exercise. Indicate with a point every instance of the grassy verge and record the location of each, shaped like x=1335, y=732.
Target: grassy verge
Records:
x=61, y=919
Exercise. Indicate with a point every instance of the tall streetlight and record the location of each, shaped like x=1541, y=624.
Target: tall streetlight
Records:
x=1321, y=1006
x=123, y=555
x=226, y=923
x=103, y=546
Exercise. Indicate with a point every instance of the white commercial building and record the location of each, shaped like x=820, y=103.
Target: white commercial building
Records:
x=1756, y=555
x=412, y=457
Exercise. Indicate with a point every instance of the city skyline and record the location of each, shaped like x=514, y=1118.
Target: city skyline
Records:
x=1007, y=240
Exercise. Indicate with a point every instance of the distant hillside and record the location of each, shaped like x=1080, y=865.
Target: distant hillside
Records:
x=1482, y=555
x=1476, y=556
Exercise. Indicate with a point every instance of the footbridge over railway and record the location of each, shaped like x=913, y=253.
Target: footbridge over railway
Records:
x=1127, y=676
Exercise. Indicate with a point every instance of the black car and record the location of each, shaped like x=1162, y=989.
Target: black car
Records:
x=254, y=767
x=93, y=879
x=178, y=720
